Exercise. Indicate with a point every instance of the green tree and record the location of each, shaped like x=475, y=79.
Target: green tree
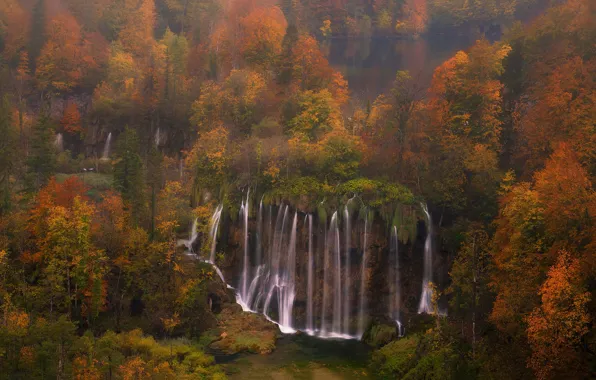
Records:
x=470, y=277
x=128, y=173
x=7, y=153
x=42, y=158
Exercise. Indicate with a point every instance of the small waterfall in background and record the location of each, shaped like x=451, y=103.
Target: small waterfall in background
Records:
x=106, y=148
x=362, y=304
x=310, y=280
x=59, y=142
x=160, y=138
x=426, y=297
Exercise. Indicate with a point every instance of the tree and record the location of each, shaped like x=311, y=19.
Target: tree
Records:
x=14, y=28
x=469, y=275
x=71, y=119
x=42, y=159
x=262, y=35
x=66, y=57
x=7, y=153
x=556, y=327
x=128, y=173
x=74, y=269
x=136, y=34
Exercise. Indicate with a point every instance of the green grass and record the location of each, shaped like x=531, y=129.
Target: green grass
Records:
x=97, y=182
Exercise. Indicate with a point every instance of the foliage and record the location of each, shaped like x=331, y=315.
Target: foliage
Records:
x=556, y=328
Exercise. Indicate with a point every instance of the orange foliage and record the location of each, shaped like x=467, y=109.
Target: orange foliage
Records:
x=556, y=327
x=137, y=34
x=71, y=119
x=566, y=192
x=311, y=70
x=263, y=31
x=67, y=56
x=85, y=369
x=134, y=369
x=562, y=107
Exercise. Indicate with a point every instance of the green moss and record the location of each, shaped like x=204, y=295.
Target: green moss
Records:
x=395, y=359
x=379, y=334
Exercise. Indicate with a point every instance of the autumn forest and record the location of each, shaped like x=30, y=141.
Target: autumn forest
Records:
x=194, y=189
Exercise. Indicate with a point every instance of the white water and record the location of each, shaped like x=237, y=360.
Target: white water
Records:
x=310, y=280
x=284, y=262
x=244, y=214
x=347, y=274
x=426, y=296
x=159, y=138
x=363, y=305
x=395, y=308
x=59, y=142
x=213, y=229
x=106, y=148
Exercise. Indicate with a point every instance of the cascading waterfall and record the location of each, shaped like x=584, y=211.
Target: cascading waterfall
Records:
x=362, y=308
x=337, y=290
x=213, y=229
x=426, y=297
x=310, y=280
x=106, y=148
x=273, y=272
x=59, y=142
x=157, y=137
x=347, y=274
x=286, y=287
x=395, y=311
x=244, y=211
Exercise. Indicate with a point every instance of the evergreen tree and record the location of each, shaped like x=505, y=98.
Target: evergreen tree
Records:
x=154, y=180
x=42, y=160
x=128, y=172
x=7, y=153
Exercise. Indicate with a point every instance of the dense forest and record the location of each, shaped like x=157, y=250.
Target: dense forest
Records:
x=124, y=122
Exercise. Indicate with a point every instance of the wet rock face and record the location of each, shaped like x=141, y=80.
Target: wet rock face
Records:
x=375, y=281
x=380, y=332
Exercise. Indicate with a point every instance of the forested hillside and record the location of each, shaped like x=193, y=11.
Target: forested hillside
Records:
x=122, y=122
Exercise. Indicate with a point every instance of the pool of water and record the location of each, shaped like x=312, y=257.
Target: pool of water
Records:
x=300, y=356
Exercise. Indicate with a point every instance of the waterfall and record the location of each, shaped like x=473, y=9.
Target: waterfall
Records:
x=244, y=211
x=259, y=247
x=362, y=308
x=59, y=142
x=213, y=229
x=194, y=233
x=347, y=274
x=326, y=265
x=287, y=284
x=270, y=265
x=310, y=280
x=106, y=148
x=157, y=138
x=426, y=297
x=337, y=279
x=396, y=297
